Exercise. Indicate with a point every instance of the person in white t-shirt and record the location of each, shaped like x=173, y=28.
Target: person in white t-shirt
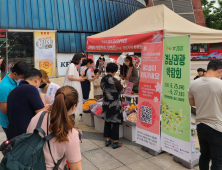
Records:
x=47, y=89
x=120, y=62
x=206, y=94
x=98, y=93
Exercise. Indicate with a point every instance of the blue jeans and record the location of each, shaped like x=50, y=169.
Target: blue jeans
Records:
x=210, y=147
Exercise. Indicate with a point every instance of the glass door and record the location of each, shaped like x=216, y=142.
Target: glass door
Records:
x=20, y=47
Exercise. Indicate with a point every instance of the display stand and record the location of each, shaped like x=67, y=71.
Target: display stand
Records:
x=99, y=126
x=88, y=119
x=132, y=97
x=195, y=160
x=129, y=131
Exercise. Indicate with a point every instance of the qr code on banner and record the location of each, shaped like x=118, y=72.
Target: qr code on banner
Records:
x=146, y=114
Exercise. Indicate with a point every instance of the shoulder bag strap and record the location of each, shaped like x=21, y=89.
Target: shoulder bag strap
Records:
x=59, y=162
x=39, y=124
x=86, y=71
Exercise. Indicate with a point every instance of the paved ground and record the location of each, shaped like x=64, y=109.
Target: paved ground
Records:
x=130, y=157
x=96, y=156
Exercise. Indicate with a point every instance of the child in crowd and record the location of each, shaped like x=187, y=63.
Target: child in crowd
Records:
x=98, y=94
x=200, y=72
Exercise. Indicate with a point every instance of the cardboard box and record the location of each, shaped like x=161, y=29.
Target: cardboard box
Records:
x=99, y=126
x=129, y=132
x=88, y=119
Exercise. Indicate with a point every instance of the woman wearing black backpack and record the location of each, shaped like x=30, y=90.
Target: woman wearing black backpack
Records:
x=65, y=144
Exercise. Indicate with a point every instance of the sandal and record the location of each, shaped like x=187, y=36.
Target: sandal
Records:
x=108, y=143
x=117, y=145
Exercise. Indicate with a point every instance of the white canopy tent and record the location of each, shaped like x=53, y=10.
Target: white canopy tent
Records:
x=162, y=18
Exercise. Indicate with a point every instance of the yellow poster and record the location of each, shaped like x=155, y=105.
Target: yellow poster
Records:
x=45, y=52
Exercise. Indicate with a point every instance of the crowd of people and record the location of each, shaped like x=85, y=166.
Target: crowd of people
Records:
x=25, y=93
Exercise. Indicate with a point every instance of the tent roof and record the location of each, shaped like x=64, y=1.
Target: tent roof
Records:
x=162, y=18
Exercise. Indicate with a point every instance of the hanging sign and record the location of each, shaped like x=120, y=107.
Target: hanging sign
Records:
x=125, y=43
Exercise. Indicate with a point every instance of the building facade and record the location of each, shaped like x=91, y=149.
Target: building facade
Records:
x=74, y=20
x=189, y=9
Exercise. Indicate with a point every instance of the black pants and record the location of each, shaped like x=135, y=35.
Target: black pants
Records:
x=85, y=89
x=210, y=147
x=111, y=132
x=121, y=70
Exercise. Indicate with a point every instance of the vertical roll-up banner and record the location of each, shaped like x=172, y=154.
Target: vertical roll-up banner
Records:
x=176, y=118
x=45, y=52
x=148, y=117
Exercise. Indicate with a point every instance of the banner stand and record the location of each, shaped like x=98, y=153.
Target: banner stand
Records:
x=194, y=160
x=176, y=111
x=148, y=116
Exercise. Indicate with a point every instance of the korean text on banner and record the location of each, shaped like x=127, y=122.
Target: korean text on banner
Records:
x=125, y=43
x=175, y=126
x=45, y=52
x=148, y=117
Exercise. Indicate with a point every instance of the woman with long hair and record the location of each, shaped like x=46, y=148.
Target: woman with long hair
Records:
x=47, y=89
x=130, y=74
x=66, y=140
x=73, y=79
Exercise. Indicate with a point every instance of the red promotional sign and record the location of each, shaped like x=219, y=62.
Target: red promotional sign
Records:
x=125, y=43
x=148, y=117
x=136, y=61
x=1, y=31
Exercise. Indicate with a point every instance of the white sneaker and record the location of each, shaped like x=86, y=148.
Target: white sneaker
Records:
x=80, y=118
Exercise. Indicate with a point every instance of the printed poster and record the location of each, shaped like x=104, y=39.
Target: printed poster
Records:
x=45, y=52
x=148, y=116
x=129, y=88
x=175, y=126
